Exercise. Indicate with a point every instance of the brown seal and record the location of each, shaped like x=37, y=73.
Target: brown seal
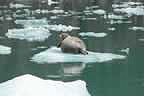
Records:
x=71, y=44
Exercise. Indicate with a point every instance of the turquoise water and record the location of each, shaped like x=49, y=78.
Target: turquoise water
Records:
x=121, y=21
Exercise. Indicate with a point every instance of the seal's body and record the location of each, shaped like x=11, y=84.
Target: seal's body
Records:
x=71, y=44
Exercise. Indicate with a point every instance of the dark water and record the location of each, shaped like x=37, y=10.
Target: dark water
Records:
x=113, y=78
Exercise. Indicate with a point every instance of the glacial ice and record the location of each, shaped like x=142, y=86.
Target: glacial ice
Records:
x=54, y=55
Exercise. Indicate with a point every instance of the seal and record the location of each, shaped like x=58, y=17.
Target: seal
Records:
x=71, y=44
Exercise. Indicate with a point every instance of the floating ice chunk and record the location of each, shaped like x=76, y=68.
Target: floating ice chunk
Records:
x=91, y=7
x=126, y=50
x=131, y=11
x=92, y=34
x=61, y=27
x=18, y=6
x=89, y=18
x=5, y=50
x=137, y=28
x=99, y=12
x=118, y=21
x=29, y=85
x=133, y=3
x=55, y=11
x=141, y=39
x=113, y=16
x=50, y=2
x=126, y=4
x=29, y=34
x=32, y=23
x=112, y=29
x=54, y=55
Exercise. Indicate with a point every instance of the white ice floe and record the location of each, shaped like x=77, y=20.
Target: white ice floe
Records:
x=112, y=29
x=118, y=21
x=113, y=16
x=141, y=39
x=5, y=50
x=89, y=19
x=50, y=2
x=131, y=11
x=36, y=23
x=18, y=6
x=93, y=34
x=126, y=50
x=29, y=34
x=99, y=12
x=29, y=85
x=91, y=7
x=135, y=28
x=42, y=23
x=54, y=55
x=55, y=11
x=126, y=4
x=61, y=27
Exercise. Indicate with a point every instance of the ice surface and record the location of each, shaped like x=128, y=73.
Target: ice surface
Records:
x=92, y=34
x=18, y=5
x=135, y=28
x=113, y=16
x=99, y=12
x=50, y=2
x=29, y=34
x=126, y=50
x=54, y=55
x=131, y=8
x=42, y=23
x=29, y=85
x=5, y=50
x=36, y=23
x=55, y=11
x=61, y=27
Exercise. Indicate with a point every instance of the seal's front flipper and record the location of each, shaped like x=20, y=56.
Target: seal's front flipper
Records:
x=59, y=44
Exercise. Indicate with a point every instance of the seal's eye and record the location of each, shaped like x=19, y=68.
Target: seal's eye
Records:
x=63, y=36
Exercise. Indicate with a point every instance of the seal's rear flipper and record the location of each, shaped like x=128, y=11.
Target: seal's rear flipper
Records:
x=83, y=52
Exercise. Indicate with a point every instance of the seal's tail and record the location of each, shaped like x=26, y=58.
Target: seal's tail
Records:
x=83, y=52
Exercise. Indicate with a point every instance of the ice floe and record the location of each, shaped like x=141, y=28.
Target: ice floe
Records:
x=61, y=27
x=29, y=34
x=141, y=39
x=29, y=85
x=112, y=29
x=131, y=8
x=113, y=16
x=126, y=4
x=89, y=18
x=135, y=28
x=18, y=5
x=50, y=2
x=131, y=11
x=54, y=55
x=118, y=21
x=93, y=34
x=126, y=50
x=32, y=23
x=55, y=11
x=99, y=12
x=5, y=50
x=42, y=23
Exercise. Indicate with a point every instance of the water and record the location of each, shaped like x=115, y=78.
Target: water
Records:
x=121, y=20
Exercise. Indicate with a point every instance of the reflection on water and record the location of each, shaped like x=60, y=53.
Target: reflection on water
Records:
x=106, y=26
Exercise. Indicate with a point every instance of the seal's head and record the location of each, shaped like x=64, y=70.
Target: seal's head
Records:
x=63, y=36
